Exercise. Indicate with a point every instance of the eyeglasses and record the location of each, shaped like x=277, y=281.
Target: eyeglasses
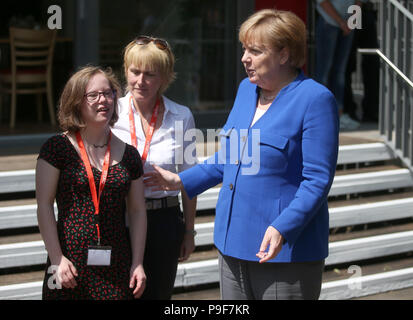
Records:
x=159, y=43
x=94, y=96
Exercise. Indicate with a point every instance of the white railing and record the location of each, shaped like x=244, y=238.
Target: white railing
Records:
x=396, y=70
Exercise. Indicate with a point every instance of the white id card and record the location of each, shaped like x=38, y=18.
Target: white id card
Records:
x=99, y=256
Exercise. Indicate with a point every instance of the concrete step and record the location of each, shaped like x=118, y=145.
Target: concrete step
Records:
x=24, y=249
x=347, y=282
x=21, y=213
x=203, y=266
x=17, y=172
x=378, y=280
x=212, y=293
x=15, y=216
x=348, y=243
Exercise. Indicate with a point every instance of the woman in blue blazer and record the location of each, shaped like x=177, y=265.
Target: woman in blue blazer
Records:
x=276, y=164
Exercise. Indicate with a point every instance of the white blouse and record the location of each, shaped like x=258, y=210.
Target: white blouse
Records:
x=173, y=145
x=258, y=114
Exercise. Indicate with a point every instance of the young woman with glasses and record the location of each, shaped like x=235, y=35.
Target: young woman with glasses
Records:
x=93, y=176
x=152, y=123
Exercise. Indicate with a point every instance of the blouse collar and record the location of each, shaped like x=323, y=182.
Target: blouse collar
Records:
x=169, y=104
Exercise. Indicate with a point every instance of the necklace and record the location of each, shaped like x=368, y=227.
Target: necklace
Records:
x=266, y=98
x=271, y=98
x=101, y=146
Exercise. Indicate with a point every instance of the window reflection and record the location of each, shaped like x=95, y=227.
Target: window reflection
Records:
x=202, y=34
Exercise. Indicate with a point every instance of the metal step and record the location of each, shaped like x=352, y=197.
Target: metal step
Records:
x=366, y=152
x=340, y=252
x=17, y=181
x=200, y=272
x=194, y=273
x=371, y=181
x=25, y=216
x=367, y=285
x=357, y=153
x=24, y=180
x=355, y=286
x=397, y=282
x=22, y=291
x=19, y=216
x=22, y=254
x=371, y=212
x=339, y=216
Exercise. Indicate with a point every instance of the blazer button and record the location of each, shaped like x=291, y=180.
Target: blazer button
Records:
x=231, y=186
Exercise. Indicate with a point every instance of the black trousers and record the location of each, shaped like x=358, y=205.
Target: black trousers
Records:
x=165, y=234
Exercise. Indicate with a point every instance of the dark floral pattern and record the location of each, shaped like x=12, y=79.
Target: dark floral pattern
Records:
x=77, y=222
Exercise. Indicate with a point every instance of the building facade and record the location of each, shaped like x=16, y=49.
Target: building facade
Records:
x=202, y=33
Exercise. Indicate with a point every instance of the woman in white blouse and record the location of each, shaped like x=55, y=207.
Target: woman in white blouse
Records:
x=156, y=126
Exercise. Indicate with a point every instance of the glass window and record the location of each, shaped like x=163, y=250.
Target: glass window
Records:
x=203, y=37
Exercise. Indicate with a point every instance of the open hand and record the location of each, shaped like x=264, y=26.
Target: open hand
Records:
x=162, y=180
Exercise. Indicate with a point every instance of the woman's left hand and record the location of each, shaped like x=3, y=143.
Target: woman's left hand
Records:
x=137, y=281
x=187, y=247
x=274, y=239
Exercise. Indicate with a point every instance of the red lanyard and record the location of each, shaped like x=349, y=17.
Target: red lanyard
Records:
x=105, y=169
x=149, y=132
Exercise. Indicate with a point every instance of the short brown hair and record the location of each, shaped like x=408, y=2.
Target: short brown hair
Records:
x=277, y=29
x=150, y=57
x=72, y=97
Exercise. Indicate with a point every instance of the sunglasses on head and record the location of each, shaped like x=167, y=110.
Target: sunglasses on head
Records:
x=159, y=43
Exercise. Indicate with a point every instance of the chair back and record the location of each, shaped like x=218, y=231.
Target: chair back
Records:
x=32, y=49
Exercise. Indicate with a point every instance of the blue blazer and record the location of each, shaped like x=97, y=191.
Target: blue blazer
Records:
x=277, y=172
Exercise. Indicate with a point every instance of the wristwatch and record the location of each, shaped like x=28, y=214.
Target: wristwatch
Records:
x=193, y=232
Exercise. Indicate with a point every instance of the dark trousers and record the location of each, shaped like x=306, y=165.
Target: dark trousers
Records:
x=333, y=50
x=250, y=280
x=163, y=242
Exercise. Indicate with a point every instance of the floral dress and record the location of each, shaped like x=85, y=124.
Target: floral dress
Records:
x=76, y=225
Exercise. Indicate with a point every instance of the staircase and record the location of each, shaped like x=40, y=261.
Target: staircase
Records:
x=371, y=229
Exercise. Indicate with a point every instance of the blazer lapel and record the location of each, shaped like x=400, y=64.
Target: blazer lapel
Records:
x=248, y=105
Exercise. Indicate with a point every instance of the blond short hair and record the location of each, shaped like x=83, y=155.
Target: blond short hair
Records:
x=151, y=58
x=73, y=97
x=277, y=29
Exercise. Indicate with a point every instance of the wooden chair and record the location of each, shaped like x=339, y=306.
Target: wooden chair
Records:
x=31, y=68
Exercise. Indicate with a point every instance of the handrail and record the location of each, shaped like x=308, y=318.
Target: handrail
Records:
x=391, y=64
x=395, y=88
x=406, y=12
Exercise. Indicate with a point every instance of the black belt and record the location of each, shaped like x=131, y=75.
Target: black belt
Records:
x=167, y=202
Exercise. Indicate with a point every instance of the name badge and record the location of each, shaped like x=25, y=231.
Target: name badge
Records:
x=99, y=256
